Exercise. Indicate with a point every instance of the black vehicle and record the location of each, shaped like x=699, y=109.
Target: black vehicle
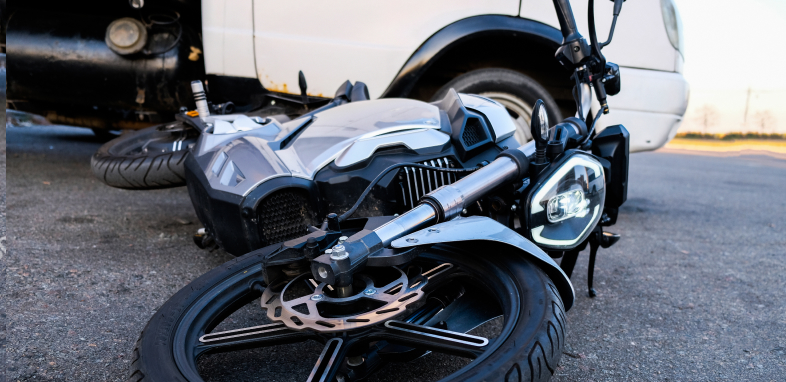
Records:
x=455, y=226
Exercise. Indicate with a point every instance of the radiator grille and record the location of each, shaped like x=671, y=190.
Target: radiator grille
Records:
x=284, y=215
x=417, y=182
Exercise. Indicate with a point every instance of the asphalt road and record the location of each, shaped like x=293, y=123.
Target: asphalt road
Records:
x=694, y=291
x=3, y=241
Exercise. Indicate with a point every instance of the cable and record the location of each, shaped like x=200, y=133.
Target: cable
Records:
x=592, y=129
x=379, y=177
x=577, y=94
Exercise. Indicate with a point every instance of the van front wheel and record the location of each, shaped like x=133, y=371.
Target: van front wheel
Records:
x=516, y=91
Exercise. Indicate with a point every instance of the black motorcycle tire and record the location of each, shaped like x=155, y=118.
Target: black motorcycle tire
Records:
x=530, y=352
x=511, y=86
x=118, y=164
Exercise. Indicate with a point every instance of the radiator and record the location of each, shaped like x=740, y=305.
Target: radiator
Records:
x=417, y=182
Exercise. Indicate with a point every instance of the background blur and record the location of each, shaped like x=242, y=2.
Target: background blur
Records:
x=734, y=62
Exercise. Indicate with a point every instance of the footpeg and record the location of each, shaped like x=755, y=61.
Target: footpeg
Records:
x=204, y=240
x=608, y=239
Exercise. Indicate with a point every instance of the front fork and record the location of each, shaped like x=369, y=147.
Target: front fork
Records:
x=444, y=203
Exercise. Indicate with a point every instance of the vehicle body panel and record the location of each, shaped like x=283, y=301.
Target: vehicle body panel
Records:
x=228, y=37
x=352, y=39
x=651, y=105
x=481, y=228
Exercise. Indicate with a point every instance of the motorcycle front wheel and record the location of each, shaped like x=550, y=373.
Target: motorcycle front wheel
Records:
x=510, y=310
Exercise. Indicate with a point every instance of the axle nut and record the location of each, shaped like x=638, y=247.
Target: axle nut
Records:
x=338, y=253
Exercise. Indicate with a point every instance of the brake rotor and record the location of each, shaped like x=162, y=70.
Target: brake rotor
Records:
x=313, y=311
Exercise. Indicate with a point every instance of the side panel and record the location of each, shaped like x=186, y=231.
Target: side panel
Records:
x=228, y=37
x=640, y=39
x=352, y=40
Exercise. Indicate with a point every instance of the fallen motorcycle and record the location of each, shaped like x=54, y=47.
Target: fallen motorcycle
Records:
x=446, y=242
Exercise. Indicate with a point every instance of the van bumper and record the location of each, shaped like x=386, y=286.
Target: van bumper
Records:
x=651, y=106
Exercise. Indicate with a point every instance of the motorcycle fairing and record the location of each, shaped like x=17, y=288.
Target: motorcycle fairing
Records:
x=484, y=229
x=320, y=163
x=334, y=130
x=239, y=162
x=301, y=148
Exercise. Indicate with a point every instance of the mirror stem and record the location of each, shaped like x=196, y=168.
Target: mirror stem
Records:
x=617, y=9
x=611, y=32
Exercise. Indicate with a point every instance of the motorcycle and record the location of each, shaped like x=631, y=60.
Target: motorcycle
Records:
x=452, y=248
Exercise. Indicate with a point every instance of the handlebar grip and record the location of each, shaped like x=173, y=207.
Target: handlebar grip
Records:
x=567, y=24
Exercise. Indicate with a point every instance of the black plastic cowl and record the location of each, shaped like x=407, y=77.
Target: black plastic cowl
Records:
x=470, y=132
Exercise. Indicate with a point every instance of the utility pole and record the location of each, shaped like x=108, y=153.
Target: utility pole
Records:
x=747, y=106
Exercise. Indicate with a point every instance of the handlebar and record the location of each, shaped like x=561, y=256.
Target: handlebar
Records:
x=567, y=23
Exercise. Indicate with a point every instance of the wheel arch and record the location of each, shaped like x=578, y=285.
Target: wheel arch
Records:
x=483, y=41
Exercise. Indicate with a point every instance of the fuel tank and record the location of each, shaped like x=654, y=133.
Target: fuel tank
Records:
x=63, y=59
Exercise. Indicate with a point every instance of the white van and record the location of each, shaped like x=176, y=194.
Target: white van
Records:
x=129, y=64
x=417, y=49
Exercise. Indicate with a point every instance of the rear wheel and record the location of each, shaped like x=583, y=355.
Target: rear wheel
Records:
x=146, y=159
x=516, y=91
x=510, y=309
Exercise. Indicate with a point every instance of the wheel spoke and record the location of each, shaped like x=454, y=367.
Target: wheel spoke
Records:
x=434, y=276
x=438, y=275
x=329, y=361
x=468, y=312
x=252, y=337
x=439, y=340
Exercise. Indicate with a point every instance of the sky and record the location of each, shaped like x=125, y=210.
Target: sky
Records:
x=732, y=46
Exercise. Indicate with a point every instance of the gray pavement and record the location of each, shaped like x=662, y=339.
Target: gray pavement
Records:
x=694, y=291
x=3, y=241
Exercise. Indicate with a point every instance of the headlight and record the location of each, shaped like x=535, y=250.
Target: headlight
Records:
x=568, y=203
x=673, y=23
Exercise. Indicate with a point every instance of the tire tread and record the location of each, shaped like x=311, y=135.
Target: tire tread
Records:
x=138, y=172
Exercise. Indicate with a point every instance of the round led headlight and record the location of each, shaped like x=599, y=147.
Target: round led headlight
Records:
x=568, y=203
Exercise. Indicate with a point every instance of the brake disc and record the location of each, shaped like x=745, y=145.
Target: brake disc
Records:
x=313, y=311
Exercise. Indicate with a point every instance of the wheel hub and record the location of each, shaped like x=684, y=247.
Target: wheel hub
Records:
x=319, y=311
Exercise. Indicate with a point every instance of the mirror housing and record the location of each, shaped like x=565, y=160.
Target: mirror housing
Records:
x=539, y=128
x=539, y=123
